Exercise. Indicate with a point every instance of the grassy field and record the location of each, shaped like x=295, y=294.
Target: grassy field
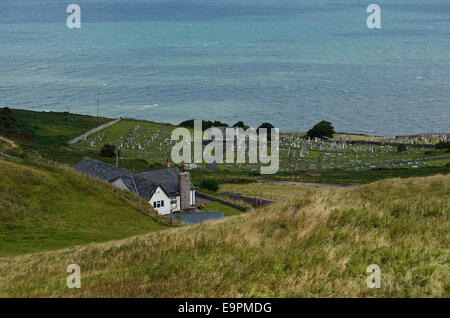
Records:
x=51, y=128
x=151, y=141
x=45, y=208
x=315, y=242
x=330, y=176
x=45, y=134
x=217, y=206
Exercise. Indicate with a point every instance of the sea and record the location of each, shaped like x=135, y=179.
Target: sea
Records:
x=290, y=63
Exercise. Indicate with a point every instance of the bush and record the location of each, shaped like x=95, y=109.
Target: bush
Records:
x=443, y=145
x=267, y=126
x=210, y=184
x=108, y=151
x=322, y=130
x=401, y=148
x=240, y=124
x=206, y=124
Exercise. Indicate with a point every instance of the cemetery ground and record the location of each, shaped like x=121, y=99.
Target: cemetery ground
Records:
x=299, y=157
x=146, y=145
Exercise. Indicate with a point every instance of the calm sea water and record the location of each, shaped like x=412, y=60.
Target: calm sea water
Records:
x=292, y=63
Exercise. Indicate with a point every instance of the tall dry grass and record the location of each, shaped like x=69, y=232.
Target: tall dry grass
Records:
x=45, y=207
x=315, y=243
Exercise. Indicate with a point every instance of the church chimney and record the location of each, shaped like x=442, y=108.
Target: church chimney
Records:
x=184, y=183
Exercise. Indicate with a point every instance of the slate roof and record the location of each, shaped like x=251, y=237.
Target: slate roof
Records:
x=168, y=177
x=145, y=188
x=146, y=182
x=100, y=170
x=195, y=218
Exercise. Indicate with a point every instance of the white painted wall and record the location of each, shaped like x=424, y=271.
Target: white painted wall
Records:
x=160, y=195
x=177, y=207
x=192, y=197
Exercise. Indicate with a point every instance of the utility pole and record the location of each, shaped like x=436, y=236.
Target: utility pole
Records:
x=117, y=156
x=290, y=162
x=98, y=107
x=390, y=171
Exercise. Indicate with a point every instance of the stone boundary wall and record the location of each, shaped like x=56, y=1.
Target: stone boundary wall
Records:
x=213, y=198
x=255, y=201
x=393, y=144
x=93, y=131
x=148, y=121
x=91, y=151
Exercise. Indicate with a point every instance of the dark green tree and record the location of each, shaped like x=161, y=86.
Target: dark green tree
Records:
x=322, y=130
x=401, y=148
x=240, y=124
x=206, y=124
x=108, y=151
x=210, y=184
x=443, y=145
x=269, y=127
x=6, y=118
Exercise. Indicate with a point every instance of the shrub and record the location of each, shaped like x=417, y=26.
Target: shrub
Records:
x=267, y=126
x=322, y=130
x=210, y=184
x=443, y=145
x=401, y=148
x=206, y=124
x=240, y=124
x=108, y=151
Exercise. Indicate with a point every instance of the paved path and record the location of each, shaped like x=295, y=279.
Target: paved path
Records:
x=4, y=155
x=93, y=131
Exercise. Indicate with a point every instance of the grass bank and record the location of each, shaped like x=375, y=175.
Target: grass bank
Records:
x=345, y=177
x=48, y=207
x=314, y=243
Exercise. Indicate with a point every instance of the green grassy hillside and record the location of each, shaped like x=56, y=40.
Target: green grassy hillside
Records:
x=313, y=242
x=46, y=134
x=46, y=128
x=43, y=208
